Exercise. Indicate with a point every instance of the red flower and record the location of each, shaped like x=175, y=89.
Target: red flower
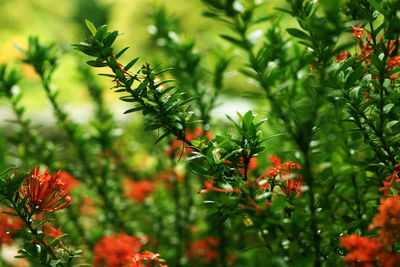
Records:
x=391, y=181
x=138, y=190
x=357, y=31
x=116, y=250
x=342, y=56
x=149, y=257
x=291, y=186
x=283, y=175
x=388, y=259
x=69, y=181
x=388, y=220
x=366, y=51
x=46, y=193
x=274, y=160
x=8, y=222
x=367, y=251
x=205, y=249
x=52, y=232
x=362, y=250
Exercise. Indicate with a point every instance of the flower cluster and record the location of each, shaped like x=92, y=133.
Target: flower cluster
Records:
x=367, y=251
x=388, y=220
x=357, y=31
x=149, y=258
x=367, y=48
x=138, y=190
x=392, y=181
x=45, y=192
x=205, y=248
x=284, y=175
x=116, y=250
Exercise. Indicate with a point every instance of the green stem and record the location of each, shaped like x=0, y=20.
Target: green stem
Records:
x=178, y=220
x=308, y=177
x=26, y=218
x=81, y=148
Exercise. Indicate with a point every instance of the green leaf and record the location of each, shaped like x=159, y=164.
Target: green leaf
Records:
x=210, y=14
x=101, y=32
x=15, y=230
x=96, y=64
x=377, y=6
x=353, y=77
x=127, y=99
x=298, y=33
x=56, y=240
x=284, y=10
x=110, y=39
x=7, y=171
x=387, y=108
x=354, y=93
x=198, y=169
x=162, y=137
x=130, y=64
x=91, y=27
x=390, y=124
x=121, y=52
x=233, y=40
x=11, y=213
x=352, y=225
x=247, y=120
x=376, y=61
x=133, y=110
x=107, y=75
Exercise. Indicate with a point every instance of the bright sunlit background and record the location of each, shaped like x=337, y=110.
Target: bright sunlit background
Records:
x=62, y=22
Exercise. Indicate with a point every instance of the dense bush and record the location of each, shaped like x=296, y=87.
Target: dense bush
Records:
x=314, y=185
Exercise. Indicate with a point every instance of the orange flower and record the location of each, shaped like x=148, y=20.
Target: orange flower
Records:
x=46, y=193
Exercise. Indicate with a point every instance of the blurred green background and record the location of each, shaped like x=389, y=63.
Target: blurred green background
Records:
x=63, y=22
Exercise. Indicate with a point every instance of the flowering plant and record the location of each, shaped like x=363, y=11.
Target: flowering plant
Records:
x=307, y=174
